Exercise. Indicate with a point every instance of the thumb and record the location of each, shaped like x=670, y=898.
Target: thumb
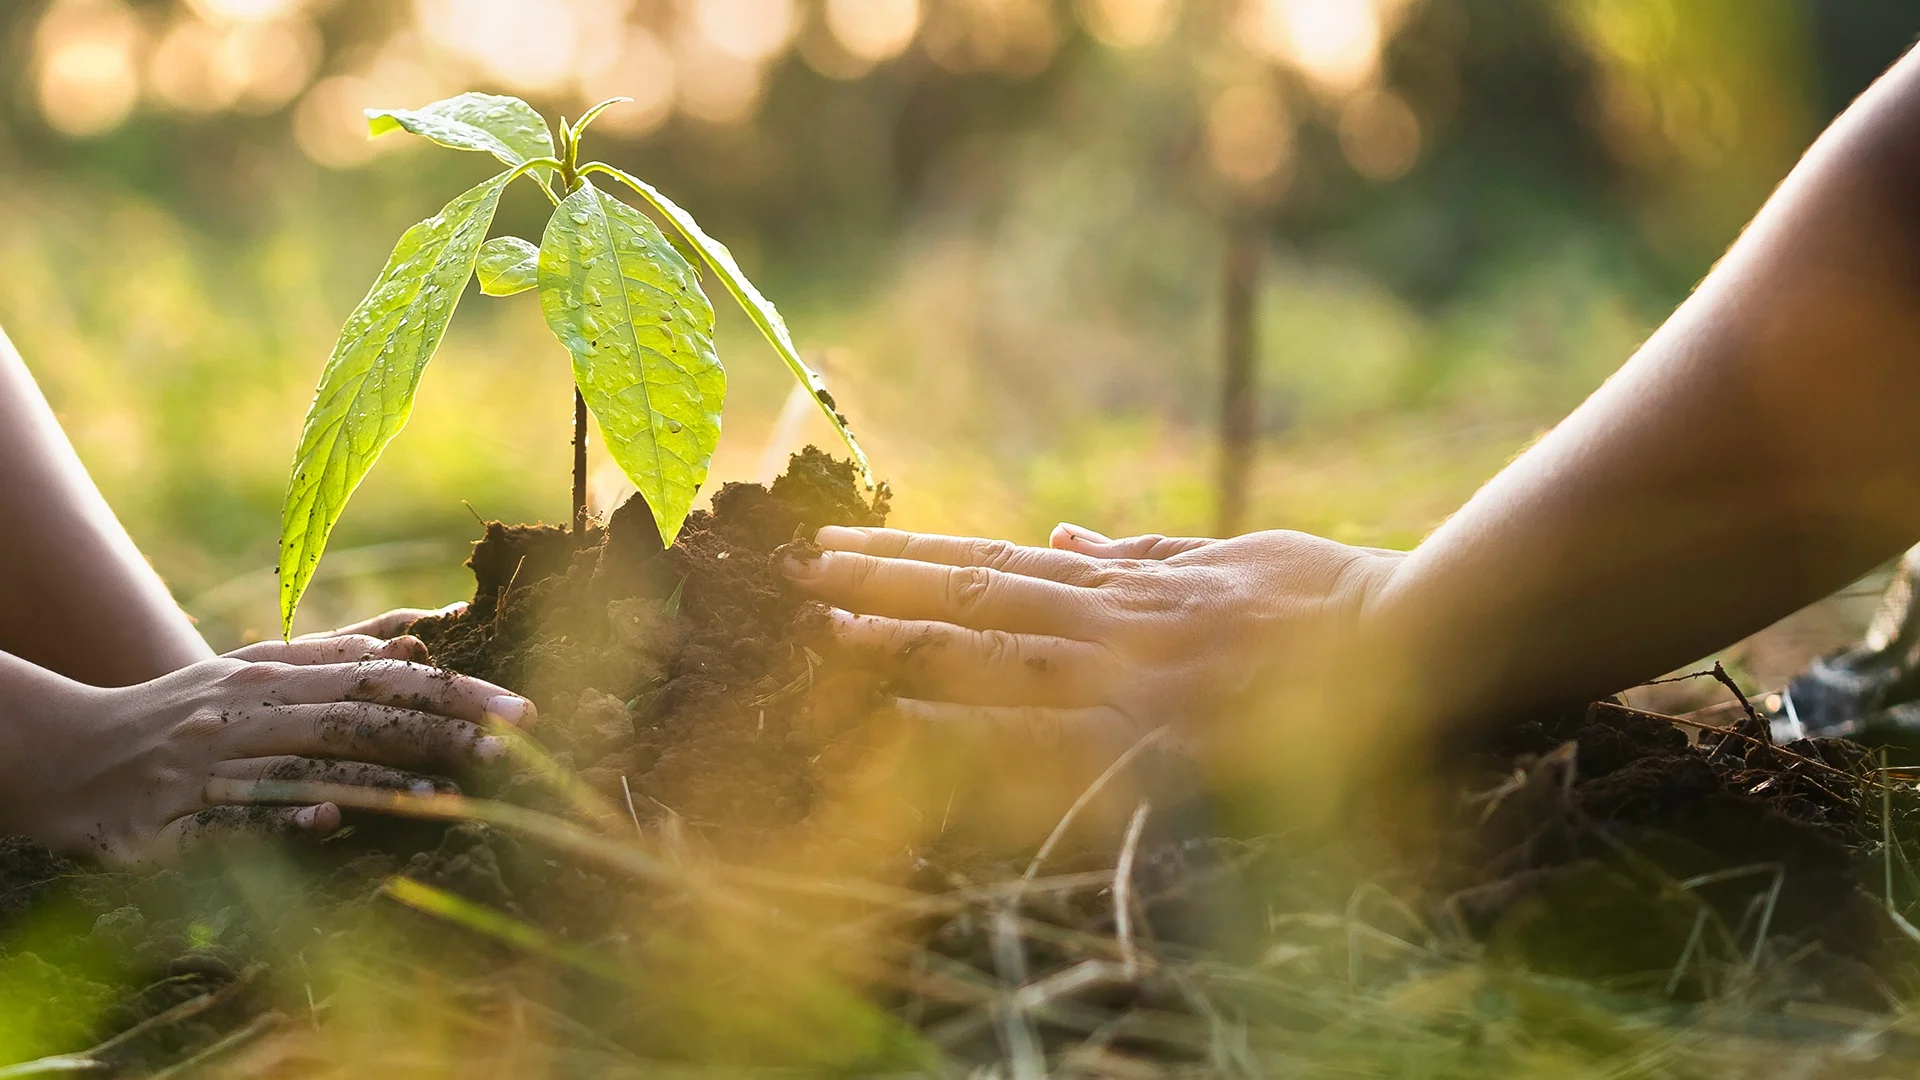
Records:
x=1069, y=537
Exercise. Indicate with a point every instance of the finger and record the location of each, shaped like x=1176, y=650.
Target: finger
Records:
x=941, y=662
x=388, y=623
x=290, y=769
x=359, y=731
x=343, y=649
x=973, y=596
x=1039, y=725
x=406, y=685
x=220, y=826
x=1084, y=541
x=1004, y=555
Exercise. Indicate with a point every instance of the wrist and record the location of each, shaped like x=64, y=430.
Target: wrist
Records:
x=48, y=750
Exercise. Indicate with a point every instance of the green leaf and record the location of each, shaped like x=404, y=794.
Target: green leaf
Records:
x=757, y=307
x=366, y=392
x=630, y=310
x=593, y=114
x=505, y=127
x=507, y=265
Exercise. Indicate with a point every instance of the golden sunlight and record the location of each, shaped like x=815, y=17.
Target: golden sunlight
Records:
x=87, y=79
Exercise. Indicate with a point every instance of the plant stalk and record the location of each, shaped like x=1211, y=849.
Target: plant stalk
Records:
x=579, y=466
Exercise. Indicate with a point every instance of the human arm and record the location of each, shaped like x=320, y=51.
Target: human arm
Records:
x=1758, y=451
x=76, y=595
x=144, y=773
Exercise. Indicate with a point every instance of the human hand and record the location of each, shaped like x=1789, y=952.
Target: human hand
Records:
x=147, y=772
x=1090, y=634
x=387, y=623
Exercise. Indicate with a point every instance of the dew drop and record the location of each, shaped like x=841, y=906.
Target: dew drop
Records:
x=674, y=426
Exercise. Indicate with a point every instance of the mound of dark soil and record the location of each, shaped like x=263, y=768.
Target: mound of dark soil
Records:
x=683, y=672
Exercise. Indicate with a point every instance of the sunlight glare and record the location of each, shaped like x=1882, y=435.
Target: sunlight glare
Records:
x=329, y=125
x=874, y=30
x=716, y=86
x=1336, y=43
x=527, y=44
x=1127, y=24
x=244, y=11
x=644, y=71
x=87, y=79
x=752, y=30
x=1249, y=134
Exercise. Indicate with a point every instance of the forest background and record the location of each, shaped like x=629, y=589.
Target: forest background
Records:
x=1025, y=238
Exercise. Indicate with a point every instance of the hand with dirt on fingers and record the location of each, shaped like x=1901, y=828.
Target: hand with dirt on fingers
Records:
x=1090, y=635
x=145, y=773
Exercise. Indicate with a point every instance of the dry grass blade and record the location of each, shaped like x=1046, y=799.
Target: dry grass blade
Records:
x=1017, y=1036
x=1123, y=889
x=1087, y=796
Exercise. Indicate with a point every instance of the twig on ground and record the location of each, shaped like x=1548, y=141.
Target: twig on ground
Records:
x=1699, y=725
x=1123, y=889
x=259, y=1026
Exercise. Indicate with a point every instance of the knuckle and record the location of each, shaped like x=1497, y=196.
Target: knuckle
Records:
x=991, y=552
x=256, y=675
x=999, y=649
x=968, y=587
x=204, y=722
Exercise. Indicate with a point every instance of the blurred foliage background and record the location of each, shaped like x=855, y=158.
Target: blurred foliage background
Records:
x=1009, y=229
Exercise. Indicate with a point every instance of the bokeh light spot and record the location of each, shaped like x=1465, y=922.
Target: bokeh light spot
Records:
x=1379, y=135
x=1336, y=43
x=644, y=71
x=1249, y=134
x=874, y=30
x=753, y=30
x=1127, y=24
x=87, y=76
x=329, y=123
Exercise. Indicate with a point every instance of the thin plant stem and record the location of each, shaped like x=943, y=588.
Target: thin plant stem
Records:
x=579, y=466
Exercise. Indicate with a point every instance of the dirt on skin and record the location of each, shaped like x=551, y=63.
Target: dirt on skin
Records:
x=682, y=687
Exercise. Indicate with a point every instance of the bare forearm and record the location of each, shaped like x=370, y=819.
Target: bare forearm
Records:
x=1760, y=450
x=75, y=594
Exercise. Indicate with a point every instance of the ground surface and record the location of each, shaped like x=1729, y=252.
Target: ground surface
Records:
x=738, y=858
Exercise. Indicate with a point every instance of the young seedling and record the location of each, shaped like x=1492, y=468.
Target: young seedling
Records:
x=620, y=295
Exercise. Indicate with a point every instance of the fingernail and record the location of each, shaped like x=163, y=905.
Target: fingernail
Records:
x=489, y=748
x=304, y=817
x=454, y=608
x=1079, y=532
x=421, y=787
x=795, y=567
x=511, y=709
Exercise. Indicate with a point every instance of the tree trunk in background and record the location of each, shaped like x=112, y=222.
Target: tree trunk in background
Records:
x=1238, y=412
